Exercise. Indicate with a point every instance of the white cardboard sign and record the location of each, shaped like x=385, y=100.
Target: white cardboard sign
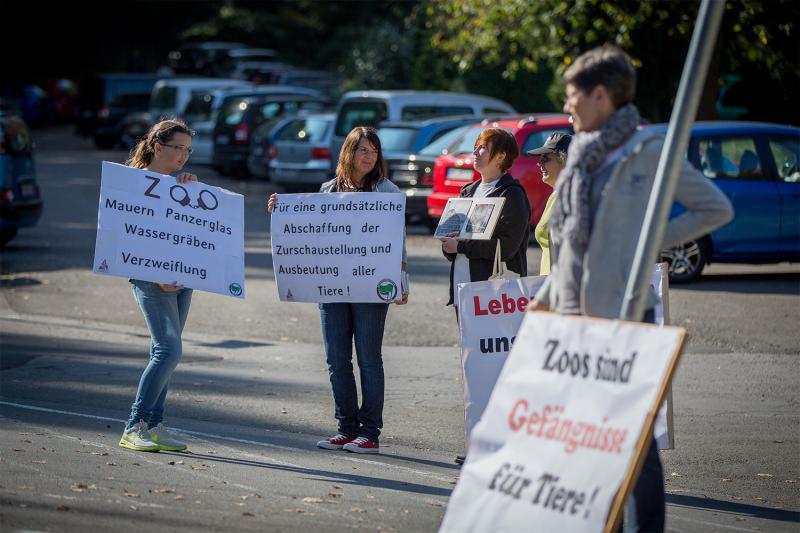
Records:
x=563, y=425
x=338, y=247
x=151, y=228
x=490, y=313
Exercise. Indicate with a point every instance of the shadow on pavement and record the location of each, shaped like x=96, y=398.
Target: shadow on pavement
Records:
x=732, y=507
x=753, y=283
x=326, y=475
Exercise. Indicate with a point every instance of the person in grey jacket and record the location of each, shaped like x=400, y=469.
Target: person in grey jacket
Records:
x=361, y=168
x=606, y=184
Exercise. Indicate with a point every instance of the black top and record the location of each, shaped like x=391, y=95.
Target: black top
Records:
x=513, y=229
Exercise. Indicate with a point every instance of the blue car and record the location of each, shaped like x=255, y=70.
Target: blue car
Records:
x=410, y=165
x=20, y=198
x=757, y=165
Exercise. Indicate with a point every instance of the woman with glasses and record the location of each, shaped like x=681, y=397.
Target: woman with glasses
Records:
x=552, y=160
x=361, y=168
x=165, y=149
x=473, y=260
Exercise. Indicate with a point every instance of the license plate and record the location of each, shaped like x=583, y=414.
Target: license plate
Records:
x=27, y=189
x=463, y=174
x=405, y=175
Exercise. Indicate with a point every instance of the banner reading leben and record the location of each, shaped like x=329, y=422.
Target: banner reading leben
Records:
x=338, y=247
x=571, y=411
x=153, y=229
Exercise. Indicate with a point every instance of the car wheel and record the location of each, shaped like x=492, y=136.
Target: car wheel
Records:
x=687, y=260
x=6, y=235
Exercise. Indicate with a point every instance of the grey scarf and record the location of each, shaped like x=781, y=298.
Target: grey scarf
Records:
x=571, y=218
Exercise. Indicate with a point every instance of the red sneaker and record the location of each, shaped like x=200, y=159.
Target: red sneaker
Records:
x=362, y=445
x=335, y=443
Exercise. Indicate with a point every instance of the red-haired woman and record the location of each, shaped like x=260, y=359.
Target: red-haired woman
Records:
x=473, y=260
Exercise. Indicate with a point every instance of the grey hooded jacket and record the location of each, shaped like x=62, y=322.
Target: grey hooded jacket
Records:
x=591, y=280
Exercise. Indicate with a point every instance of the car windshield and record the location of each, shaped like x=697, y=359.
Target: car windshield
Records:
x=359, y=113
x=199, y=106
x=442, y=144
x=394, y=139
x=164, y=97
x=311, y=130
x=116, y=87
x=467, y=143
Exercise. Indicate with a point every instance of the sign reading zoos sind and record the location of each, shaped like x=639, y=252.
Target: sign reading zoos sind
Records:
x=338, y=247
x=151, y=228
x=570, y=417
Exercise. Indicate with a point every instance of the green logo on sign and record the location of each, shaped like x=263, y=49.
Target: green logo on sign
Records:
x=387, y=290
x=235, y=289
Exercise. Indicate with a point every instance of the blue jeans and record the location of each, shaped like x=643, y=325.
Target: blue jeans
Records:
x=341, y=324
x=644, y=509
x=165, y=314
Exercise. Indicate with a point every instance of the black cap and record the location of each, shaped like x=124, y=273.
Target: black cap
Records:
x=557, y=142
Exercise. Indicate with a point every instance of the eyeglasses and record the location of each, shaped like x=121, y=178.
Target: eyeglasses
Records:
x=366, y=152
x=180, y=148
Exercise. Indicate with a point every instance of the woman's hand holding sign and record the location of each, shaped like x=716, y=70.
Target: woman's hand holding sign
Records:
x=185, y=177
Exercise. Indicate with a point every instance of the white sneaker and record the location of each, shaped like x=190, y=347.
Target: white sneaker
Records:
x=139, y=439
x=165, y=440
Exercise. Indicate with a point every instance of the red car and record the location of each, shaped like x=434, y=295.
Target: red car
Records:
x=454, y=169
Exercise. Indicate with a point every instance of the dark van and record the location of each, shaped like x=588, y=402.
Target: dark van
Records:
x=105, y=101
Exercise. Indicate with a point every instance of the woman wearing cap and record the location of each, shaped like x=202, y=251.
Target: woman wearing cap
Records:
x=552, y=160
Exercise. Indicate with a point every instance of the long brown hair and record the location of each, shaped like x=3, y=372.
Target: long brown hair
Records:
x=142, y=154
x=344, y=169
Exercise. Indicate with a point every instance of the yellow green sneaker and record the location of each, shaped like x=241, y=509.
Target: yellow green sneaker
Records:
x=165, y=440
x=139, y=439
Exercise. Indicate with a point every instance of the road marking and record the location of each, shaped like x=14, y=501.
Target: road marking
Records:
x=342, y=456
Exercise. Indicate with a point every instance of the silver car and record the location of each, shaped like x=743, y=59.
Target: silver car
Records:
x=302, y=153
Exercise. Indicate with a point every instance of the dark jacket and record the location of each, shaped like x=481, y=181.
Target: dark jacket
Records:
x=513, y=229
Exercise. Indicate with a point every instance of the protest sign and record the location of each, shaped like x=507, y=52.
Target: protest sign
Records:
x=151, y=228
x=338, y=247
x=489, y=315
x=470, y=218
x=568, y=421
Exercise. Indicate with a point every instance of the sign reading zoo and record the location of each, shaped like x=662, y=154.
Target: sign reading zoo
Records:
x=338, y=247
x=151, y=228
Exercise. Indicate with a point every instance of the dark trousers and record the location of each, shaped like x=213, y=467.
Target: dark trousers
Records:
x=343, y=323
x=644, y=510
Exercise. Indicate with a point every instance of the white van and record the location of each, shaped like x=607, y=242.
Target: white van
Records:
x=368, y=108
x=169, y=98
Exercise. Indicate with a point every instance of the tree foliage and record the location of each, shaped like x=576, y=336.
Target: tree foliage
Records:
x=756, y=37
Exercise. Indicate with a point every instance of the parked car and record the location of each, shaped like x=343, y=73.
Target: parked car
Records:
x=409, y=168
x=262, y=145
x=757, y=166
x=202, y=109
x=169, y=98
x=27, y=100
x=301, y=153
x=20, y=197
x=260, y=72
x=105, y=101
x=369, y=108
x=240, y=116
x=201, y=58
x=455, y=169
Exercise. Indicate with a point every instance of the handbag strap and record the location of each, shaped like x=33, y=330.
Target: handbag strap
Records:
x=498, y=268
